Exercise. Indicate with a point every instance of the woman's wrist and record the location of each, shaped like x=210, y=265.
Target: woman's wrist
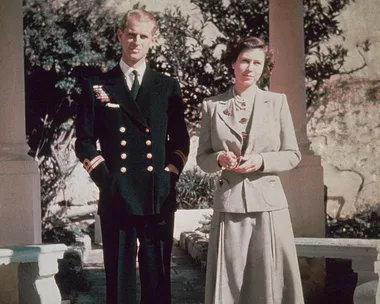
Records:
x=218, y=158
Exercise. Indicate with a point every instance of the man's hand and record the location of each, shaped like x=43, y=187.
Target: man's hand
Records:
x=171, y=168
x=249, y=164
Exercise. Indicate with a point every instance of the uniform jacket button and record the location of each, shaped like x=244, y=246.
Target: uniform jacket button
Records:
x=123, y=169
x=123, y=143
x=122, y=129
x=147, y=130
x=149, y=156
x=148, y=142
x=123, y=155
x=150, y=168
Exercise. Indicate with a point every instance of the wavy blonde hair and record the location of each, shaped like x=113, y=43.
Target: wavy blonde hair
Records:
x=141, y=15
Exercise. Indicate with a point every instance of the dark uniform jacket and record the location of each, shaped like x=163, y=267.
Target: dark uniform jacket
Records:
x=137, y=140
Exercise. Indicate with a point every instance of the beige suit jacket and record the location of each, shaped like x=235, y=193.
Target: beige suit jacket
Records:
x=271, y=134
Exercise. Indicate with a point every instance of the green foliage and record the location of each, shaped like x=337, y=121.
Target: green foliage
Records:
x=195, y=189
x=320, y=25
x=63, y=40
x=59, y=229
x=182, y=53
x=362, y=225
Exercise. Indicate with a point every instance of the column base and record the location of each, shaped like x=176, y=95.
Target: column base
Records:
x=20, y=202
x=9, y=284
x=304, y=190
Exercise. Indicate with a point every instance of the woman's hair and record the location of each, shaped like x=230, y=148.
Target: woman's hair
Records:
x=141, y=15
x=238, y=44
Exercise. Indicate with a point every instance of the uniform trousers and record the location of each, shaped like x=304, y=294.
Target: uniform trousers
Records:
x=155, y=235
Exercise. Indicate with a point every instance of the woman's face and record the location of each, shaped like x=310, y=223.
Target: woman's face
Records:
x=248, y=67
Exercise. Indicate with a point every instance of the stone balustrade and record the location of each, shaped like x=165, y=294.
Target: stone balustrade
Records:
x=365, y=257
x=27, y=274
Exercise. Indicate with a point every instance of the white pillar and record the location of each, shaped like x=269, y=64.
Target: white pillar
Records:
x=20, y=207
x=304, y=185
x=287, y=41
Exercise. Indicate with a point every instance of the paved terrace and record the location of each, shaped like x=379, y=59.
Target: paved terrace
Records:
x=188, y=280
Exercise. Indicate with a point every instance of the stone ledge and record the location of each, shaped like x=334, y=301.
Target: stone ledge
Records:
x=365, y=257
x=30, y=253
x=196, y=245
x=82, y=244
x=33, y=268
x=347, y=247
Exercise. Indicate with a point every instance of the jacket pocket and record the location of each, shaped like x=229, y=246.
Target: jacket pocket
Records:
x=107, y=195
x=222, y=192
x=272, y=191
x=163, y=179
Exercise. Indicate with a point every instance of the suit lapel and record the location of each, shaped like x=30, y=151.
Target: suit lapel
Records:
x=118, y=89
x=225, y=112
x=149, y=87
x=258, y=122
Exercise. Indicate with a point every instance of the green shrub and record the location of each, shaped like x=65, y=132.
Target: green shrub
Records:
x=59, y=229
x=195, y=189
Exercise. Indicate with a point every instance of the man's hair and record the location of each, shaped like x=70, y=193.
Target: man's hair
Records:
x=141, y=15
x=238, y=44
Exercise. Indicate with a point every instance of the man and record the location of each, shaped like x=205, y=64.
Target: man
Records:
x=137, y=115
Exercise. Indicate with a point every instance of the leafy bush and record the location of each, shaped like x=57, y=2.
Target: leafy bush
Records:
x=63, y=40
x=195, y=189
x=323, y=58
x=59, y=229
x=362, y=225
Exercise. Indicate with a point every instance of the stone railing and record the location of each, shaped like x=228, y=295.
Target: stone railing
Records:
x=365, y=257
x=27, y=274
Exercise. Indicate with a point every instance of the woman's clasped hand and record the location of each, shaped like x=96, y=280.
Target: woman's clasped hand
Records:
x=229, y=161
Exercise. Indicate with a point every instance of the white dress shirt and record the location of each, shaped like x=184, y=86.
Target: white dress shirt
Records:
x=127, y=71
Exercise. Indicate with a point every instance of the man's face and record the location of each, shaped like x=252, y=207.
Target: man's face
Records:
x=136, y=39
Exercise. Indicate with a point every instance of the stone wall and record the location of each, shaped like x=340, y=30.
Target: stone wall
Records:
x=344, y=131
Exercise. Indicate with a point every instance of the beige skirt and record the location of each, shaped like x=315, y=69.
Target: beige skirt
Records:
x=252, y=260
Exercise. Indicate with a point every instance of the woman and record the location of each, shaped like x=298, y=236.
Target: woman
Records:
x=248, y=133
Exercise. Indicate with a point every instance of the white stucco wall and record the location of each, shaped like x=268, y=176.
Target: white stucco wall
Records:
x=361, y=21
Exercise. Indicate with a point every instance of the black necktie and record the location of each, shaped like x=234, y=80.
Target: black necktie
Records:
x=135, y=85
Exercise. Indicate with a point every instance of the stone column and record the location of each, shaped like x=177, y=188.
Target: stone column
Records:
x=20, y=209
x=304, y=185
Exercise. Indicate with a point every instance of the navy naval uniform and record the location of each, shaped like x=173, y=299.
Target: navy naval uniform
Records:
x=137, y=139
